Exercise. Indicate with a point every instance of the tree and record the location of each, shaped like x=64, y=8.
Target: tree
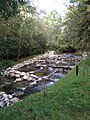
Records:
x=76, y=25
x=53, y=24
x=22, y=35
x=9, y=8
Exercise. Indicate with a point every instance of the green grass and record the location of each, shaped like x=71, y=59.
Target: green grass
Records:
x=68, y=99
x=8, y=63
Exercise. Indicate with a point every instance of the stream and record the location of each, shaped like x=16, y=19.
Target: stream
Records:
x=36, y=74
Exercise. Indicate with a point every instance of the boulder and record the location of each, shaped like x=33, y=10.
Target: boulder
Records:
x=27, y=74
x=5, y=95
x=45, y=78
x=34, y=76
x=6, y=99
x=22, y=74
x=12, y=74
x=31, y=72
x=10, y=96
x=40, y=79
x=29, y=79
x=17, y=72
x=2, y=104
x=18, y=80
x=1, y=93
x=33, y=83
x=17, y=75
x=18, y=93
x=25, y=77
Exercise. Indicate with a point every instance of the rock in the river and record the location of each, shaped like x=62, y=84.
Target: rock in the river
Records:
x=34, y=76
x=22, y=74
x=41, y=68
x=5, y=95
x=2, y=104
x=10, y=96
x=45, y=78
x=31, y=72
x=1, y=93
x=12, y=74
x=18, y=80
x=33, y=83
x=18, y=93
x=27, y=74
x=17, y=75
x=7, y=99
x=25, y=77
x=29, y=79
x=39, y=79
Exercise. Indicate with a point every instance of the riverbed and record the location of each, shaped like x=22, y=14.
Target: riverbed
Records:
x=36, y=74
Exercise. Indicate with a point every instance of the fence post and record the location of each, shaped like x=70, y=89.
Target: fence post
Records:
x=76, y=70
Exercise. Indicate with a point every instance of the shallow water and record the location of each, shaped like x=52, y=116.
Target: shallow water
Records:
x=41, y=68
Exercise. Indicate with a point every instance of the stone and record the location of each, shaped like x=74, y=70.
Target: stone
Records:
x=18, y=93
x=1, y=93
x=5, y=95
x=18, y=80
x=29, y=78
x=41, y=68
x=17, y=72
x=50, y=68
x=17, y=75
x=33, y=83
x=9, y=68
x=23, y=89
x=22, y=74
x=38, y=65
x=2, y=104
x=57, y=62
x=46, y=78
x=12, y=71
x=12, y=74
x=25, y=77
x=52, y=53
x=1, y=97
x=6, y=100
x=27, y=74
x=10, y=96
x=31, y=72
x=38, y=80
x=13, y=100
x=34, y=76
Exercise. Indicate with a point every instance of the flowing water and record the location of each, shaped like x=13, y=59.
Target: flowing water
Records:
x=23, y=88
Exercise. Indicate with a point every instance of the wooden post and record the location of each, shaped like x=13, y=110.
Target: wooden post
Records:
x=76, y=70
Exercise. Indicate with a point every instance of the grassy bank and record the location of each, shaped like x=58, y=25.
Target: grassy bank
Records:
x=68, y=99
x=6, y=63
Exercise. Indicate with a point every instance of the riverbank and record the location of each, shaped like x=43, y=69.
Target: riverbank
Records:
x=67, y=99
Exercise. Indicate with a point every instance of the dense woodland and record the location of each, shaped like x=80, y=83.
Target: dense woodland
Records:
x=25, y=31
